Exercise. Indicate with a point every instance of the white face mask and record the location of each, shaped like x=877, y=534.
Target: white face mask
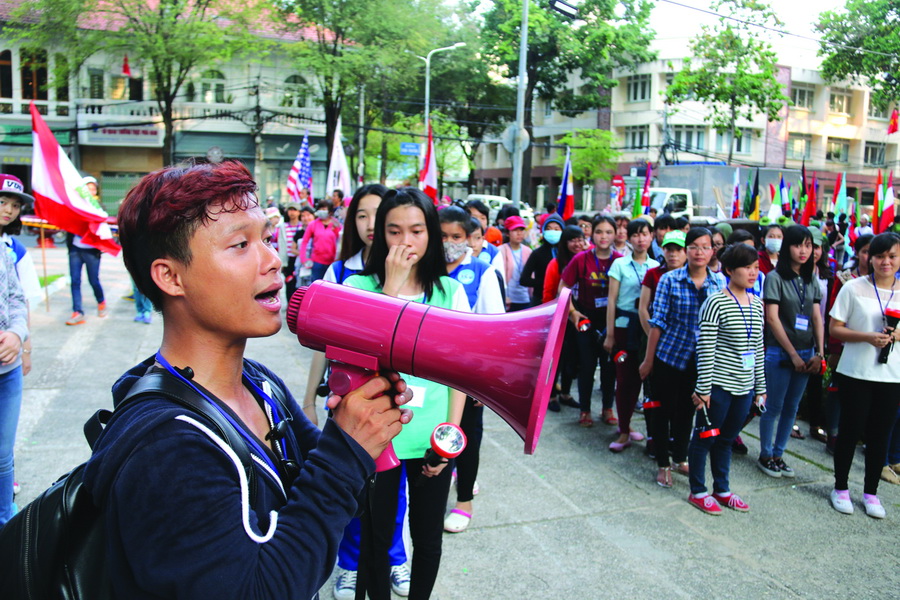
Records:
x=321, y=214
x=453, y=252
x=552, y=236
x=773, y=245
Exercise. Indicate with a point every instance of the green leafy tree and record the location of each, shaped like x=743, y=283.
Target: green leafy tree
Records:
x=606, y=36
x=861, y=42
x=733, y=69
x=359, y=42
x=593, y=153
x=170, y=39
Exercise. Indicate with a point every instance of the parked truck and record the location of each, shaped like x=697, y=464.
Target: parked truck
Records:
x=700, y=190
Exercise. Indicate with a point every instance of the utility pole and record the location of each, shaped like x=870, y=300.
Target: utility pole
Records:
x=361, y=166
x=521, y=136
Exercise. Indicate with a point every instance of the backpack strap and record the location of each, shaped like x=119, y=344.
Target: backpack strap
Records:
x=163, y=384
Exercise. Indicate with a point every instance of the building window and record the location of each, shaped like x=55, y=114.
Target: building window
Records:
x=548, y=108
x=637, y=137
x=742, y=145
x=6, y=74
x=34, y=75
x=117, y=89
x=62, y=84
x=876, y=112
x=874, y=154
x=638, y=88
x=690, y=137
x=839, y=101
x=547, y=149
x=294, y=92
x=799, y=146
x=212, y=87
x=837, y=150
x=803, y=96
x=136, y=89
x=95, y=84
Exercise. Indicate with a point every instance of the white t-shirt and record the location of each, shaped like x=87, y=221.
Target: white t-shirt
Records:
x=857, y=306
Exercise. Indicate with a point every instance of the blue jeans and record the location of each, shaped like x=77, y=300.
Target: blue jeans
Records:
x=727, y=413
x=91, y=260
x=10, y=403
x=318, y=271
x=142, y=304
x=785, y=388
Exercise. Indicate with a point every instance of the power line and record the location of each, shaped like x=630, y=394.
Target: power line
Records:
x=780, y=31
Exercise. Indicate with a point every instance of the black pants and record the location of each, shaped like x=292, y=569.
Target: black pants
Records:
x=815, y=401
x=567, y=366
x=472, y=424
x=867, y=407
x=290, y=285
x=427, y=503
x=590, y=350
x=675, y=413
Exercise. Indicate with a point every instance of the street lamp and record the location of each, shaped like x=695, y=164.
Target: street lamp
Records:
x=427, y=60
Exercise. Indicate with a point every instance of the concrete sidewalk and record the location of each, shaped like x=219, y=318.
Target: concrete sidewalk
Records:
x=572, y=521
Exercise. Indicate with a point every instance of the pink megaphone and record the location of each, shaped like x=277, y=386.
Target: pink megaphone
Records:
x=512, y=372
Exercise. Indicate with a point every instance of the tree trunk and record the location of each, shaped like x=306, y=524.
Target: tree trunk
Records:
x=733, y=126
x=168, y=150
x=382, y=176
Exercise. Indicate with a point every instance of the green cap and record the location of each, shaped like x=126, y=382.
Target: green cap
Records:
x=817, y=236
x=676, y=236
x=725, y=229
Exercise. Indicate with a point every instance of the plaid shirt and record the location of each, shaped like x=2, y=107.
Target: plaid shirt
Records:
x=676, y=310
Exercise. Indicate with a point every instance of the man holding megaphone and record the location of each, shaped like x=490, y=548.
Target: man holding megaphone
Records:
x=184, y=517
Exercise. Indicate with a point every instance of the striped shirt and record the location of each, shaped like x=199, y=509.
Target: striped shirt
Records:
x=723, y=339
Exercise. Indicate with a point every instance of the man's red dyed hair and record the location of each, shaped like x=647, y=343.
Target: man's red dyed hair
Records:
x=160, y=214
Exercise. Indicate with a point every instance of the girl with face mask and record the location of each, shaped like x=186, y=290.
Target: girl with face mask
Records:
x=536, y=266
x=768, y=256
x=324, y=233
x=482, y=287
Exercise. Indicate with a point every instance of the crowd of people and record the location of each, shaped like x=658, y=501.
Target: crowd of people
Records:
x=700, y=328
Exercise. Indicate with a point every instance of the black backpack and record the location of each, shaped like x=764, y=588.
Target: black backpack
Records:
x=56, y=546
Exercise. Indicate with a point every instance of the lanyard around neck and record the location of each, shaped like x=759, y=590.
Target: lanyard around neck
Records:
x=250, y=439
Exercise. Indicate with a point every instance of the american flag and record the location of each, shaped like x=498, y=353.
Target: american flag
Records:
x=301, y=173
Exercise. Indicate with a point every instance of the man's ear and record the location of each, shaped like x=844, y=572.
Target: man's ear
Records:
x=166, y=274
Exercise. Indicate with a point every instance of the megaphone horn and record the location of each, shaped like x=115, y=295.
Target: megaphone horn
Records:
x=506, y=361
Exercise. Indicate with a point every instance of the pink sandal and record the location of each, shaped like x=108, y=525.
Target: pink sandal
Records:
x=457, y=521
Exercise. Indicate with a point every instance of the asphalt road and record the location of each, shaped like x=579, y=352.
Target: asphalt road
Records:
x=571, y=521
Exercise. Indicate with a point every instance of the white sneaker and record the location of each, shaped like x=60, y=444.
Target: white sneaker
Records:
x=400, y=580
x=873, y=507
x=345, y=586
x=841, y=502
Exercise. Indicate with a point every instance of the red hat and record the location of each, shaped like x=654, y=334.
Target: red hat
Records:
x=10, y=185
x=514, y=222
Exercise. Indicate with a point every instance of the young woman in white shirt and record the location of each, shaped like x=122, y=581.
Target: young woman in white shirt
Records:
x=869, y=388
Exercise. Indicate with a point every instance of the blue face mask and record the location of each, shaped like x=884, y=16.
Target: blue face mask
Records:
x=552, y=236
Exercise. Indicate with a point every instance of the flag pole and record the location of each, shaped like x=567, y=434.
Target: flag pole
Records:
x=44, y=263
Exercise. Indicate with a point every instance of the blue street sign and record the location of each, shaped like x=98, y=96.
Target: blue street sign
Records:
x=409, y=149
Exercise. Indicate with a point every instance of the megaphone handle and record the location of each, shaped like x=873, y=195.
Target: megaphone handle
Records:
x=344, y=379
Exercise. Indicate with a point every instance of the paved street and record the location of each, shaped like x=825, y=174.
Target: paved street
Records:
x=572, y=521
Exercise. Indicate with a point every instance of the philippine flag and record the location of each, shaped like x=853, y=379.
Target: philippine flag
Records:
x=60, y=196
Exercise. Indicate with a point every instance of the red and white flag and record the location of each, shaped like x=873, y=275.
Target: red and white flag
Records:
x=887, y=207
x=428, y=175
x=60, y=195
